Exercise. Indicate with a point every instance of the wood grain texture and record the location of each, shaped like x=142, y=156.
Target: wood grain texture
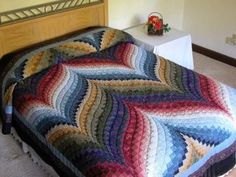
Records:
x=106, y=11
x=26, y=33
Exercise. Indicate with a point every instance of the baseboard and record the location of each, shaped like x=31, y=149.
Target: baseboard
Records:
x=214, y=55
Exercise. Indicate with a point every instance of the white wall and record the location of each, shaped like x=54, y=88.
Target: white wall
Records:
x=126, y=13
x=172, y=11
x=210, y=22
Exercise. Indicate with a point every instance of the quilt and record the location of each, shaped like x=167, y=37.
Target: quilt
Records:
x=113, y=109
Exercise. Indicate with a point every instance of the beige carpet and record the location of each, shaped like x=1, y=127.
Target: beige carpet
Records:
x=14, y=163
x=215, y=69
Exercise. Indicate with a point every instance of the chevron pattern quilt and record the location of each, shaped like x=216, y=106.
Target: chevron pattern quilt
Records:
x=121, y=111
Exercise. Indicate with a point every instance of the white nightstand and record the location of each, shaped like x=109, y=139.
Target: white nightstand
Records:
x=174, y=45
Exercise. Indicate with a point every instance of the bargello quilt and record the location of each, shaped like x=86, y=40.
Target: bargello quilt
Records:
x=112, y=109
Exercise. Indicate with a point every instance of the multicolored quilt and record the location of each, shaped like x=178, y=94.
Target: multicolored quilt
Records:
x=114, y=109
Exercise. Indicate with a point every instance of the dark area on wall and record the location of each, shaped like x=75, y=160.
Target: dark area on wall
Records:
x=215, y=55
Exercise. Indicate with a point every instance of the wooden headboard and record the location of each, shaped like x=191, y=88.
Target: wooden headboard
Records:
x=23, y=34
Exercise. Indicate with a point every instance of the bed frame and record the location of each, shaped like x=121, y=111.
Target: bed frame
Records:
x=25, y=33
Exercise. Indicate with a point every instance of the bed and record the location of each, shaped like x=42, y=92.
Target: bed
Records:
x=93, y=103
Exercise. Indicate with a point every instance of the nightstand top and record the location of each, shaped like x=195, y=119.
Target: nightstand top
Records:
x=140, y=32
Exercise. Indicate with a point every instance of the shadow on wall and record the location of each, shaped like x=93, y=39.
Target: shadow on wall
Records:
x=136, y=20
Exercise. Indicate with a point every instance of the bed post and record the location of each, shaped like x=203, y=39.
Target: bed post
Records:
x=106, y=12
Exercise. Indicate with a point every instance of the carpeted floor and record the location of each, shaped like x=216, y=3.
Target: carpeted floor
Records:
x=215, y=69
x=14, y=163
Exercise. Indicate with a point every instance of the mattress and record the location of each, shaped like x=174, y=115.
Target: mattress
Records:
x=96, y=104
